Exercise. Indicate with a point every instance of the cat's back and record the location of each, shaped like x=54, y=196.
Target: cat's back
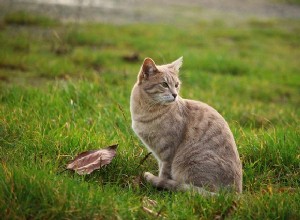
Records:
x=200, y=115
x=207, y=129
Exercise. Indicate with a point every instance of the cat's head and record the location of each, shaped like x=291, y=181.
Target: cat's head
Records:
x=160, y=83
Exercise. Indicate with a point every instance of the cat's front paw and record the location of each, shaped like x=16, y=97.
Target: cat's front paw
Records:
x=148, y=176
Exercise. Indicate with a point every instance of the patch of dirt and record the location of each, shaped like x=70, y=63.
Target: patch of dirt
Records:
x=10, y=66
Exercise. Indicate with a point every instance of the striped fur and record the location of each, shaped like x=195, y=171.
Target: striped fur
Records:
x=191, y=141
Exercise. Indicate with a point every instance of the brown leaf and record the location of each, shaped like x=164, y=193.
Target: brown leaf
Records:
x=132, y=58
x=88, y=161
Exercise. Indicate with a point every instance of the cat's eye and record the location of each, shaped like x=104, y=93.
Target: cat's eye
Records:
x=176, y=85
x=165, y=85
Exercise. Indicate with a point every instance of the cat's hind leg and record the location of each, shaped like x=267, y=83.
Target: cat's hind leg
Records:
x=170, y=184
x=161, y=183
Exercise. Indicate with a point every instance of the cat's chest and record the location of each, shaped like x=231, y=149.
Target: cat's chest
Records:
x=150, y=125
x=157, y=122
x=159, y=130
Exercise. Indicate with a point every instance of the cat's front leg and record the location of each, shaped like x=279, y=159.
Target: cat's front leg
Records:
x=159, y=165
x=165, y=170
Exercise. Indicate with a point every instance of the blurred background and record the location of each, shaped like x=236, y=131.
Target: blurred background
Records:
x=164, y=11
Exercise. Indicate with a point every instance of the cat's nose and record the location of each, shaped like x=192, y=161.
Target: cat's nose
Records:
x=174, y=95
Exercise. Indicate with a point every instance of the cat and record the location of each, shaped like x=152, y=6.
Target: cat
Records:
x=191, y=141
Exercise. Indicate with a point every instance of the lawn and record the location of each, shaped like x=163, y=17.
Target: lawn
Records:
x=64, y=89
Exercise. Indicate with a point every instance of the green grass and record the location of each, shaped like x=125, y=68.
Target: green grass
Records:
x=65, y=89
x=26, y=18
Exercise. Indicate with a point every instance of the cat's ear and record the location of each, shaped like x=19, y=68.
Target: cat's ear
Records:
x=177, y=64
x=148, y=68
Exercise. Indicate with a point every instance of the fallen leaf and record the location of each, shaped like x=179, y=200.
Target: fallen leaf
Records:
x=88, y=161
x=132, y=58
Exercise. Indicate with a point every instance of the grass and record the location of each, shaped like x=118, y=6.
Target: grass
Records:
x=64, y=89
x=26, y=18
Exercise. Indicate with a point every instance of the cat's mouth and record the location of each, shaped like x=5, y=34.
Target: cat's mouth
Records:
x=172, y=100
x=165, y=100
x=169, y=100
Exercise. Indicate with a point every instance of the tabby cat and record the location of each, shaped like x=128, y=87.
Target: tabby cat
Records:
x=191, y=141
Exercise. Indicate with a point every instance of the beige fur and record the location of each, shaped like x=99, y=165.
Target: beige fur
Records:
x=191, y=141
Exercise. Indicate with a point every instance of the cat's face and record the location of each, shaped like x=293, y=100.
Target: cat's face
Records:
x=160, y=83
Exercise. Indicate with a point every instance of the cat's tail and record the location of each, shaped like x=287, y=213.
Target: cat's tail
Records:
x=170, y=184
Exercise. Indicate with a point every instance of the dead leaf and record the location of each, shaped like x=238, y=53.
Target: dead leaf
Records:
x=135, y=57
x=88, y=161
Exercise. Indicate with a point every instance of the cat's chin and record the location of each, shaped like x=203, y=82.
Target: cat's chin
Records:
x=168, y=102
x=165, y=100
